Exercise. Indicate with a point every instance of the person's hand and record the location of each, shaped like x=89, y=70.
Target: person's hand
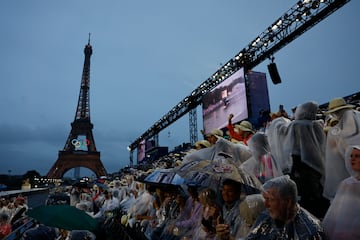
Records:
x=222, y=230
x=212, y=211
x=231, y=116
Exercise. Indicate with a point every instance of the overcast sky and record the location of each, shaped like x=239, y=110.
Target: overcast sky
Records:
x=147, y=56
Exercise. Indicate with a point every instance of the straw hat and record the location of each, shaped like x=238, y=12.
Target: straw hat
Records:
x=244, y=126
x=112, y=184
x=216, y=132
x=203, y=143
x=337, y=104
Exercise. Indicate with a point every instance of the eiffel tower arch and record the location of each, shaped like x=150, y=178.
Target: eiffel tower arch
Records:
x=80, y=149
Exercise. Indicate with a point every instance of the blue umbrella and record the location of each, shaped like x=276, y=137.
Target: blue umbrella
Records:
x=164, y=176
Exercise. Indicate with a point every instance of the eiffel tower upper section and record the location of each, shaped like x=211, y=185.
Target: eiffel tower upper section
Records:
x=81, y=128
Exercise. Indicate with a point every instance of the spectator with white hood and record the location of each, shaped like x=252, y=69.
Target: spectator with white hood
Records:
x=344, y=134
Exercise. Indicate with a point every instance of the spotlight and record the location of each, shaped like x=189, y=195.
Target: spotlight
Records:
x=315, y=4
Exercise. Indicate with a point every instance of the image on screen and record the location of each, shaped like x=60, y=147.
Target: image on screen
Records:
x=141, y=151
x=227, y=97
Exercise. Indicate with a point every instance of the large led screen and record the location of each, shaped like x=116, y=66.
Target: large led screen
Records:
x=228, y=97
x=141, y=151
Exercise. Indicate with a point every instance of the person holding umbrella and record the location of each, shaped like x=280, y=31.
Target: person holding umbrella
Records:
x=230, y=224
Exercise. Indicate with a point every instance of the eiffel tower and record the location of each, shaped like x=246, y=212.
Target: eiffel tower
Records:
x=80, y=149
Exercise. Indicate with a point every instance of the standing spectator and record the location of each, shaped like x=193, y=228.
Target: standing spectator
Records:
x=202, y=144
x=345, y=133
x=240, y=132
x=284, y=218
x=299, y=147
x=261, y=163
x=342, y=220
x=213, y=136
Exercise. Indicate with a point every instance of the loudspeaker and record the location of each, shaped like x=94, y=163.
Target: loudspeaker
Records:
x=274, y=74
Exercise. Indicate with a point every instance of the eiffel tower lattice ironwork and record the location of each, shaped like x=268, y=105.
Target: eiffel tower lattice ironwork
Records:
x=80, y=149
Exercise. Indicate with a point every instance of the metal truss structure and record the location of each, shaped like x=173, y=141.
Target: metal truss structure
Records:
x=298, y=19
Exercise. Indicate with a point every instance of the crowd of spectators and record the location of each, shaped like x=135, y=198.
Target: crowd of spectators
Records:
x=308, y=164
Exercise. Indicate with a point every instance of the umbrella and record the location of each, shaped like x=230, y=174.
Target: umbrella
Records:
x=64, y=217
x=164, y=176
x=212, y=173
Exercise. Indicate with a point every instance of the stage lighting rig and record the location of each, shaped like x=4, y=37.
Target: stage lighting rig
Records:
x=298, y=19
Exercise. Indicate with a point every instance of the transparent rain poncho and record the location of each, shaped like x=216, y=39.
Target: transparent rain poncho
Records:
x=223, y=148
x=261, y=163
x=345, y=133
x=303, y=137
x=342, y=220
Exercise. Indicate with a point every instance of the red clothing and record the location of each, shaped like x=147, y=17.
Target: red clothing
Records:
x=5, y=229
x=234, y=134
x=237, y=136
x=247, y=138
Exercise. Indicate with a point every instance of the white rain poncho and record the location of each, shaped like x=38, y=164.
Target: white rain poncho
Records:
x=342, y=220
x=304, y=137
x=239, y=153
x=261, y=164
x=339, y=137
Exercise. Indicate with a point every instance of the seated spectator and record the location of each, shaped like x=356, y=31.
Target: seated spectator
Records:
x=172, y=201
x=211, y=211
x=342, y=220
x=230, y=224
x=251, y=207
x=179, y=212
x=20, y=208
x=42, y=232
x=85, y=202
x=185, y=226
x=4, y=207
x=142, y=205
x=5, y=226
x=108, y=204
x=284, y=218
